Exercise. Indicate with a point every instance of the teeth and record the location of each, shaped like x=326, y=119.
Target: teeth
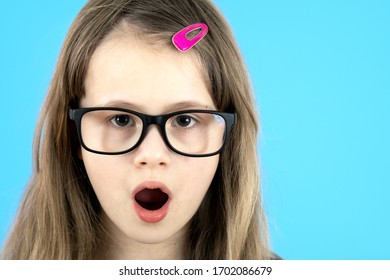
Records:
x=151, y=199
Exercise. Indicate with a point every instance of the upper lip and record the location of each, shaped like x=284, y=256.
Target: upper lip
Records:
x=152, y=185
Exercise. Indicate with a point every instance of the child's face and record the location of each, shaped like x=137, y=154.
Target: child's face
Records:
x=126, y=72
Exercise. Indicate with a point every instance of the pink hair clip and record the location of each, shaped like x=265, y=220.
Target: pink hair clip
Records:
x=182, y=43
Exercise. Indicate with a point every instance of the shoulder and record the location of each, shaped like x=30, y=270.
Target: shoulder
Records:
x=274, y=257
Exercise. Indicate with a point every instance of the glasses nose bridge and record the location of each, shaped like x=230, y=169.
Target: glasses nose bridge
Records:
x=157, y=120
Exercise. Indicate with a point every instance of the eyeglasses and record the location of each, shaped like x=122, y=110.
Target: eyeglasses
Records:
x=114, y=131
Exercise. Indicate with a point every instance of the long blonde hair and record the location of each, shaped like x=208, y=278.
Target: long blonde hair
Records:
x=60, y=216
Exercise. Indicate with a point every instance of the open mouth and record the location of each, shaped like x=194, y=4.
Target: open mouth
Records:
x=151, y=199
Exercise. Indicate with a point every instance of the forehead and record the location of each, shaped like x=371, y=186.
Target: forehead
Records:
x=130, y=68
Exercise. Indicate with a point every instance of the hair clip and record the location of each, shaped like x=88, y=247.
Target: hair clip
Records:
x=182, y=43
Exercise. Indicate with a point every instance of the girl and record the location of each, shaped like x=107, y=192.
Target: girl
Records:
x=146, y=144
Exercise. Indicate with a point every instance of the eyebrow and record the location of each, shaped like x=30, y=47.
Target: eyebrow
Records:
x=188, y=105
x=183, y=105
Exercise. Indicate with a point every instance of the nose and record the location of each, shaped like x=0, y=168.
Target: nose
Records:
x=152, y=151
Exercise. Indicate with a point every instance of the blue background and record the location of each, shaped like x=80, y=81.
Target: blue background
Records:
x=321, y=73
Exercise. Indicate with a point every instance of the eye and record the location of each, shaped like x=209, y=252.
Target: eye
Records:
x=122, y=120
x=184, y=121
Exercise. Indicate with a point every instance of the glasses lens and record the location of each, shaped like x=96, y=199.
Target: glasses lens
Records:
x=196, y=133
x=110, y=131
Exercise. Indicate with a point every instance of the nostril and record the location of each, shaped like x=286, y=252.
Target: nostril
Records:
x=145, y=163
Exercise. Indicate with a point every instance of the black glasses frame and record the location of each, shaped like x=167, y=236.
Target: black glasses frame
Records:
x=160, y=120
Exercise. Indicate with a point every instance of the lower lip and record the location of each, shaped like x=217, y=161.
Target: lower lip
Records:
x=151, y=216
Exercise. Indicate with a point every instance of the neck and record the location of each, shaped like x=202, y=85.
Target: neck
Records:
x=138, y=251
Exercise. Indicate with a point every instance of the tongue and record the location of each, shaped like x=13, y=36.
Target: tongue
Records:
x=151, y=199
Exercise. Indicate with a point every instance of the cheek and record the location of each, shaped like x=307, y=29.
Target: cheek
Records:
x=196, y=175
x=104, y=172
x=200, y=168
x=192, y=183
